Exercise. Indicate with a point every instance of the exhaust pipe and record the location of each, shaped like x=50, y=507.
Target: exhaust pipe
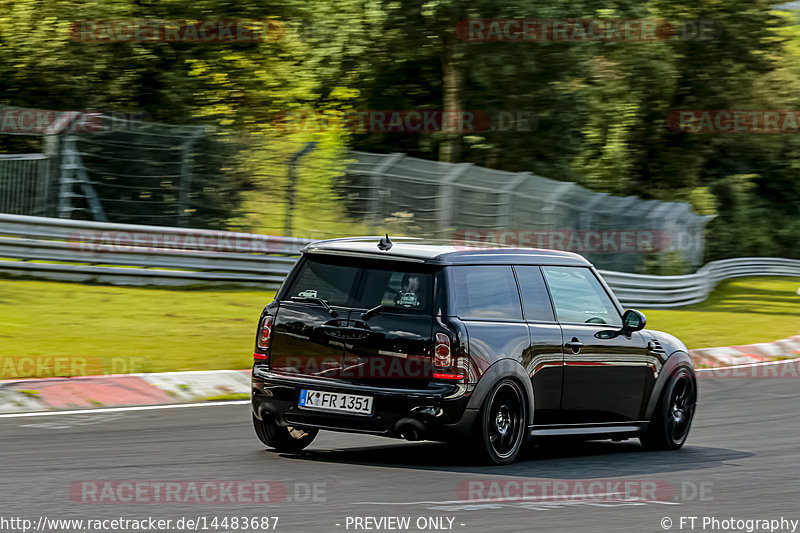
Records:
x=410, y=429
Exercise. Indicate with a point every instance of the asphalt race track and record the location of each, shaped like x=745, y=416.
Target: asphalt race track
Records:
x=741, y=461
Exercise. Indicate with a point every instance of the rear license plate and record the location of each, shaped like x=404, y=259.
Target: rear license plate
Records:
x=335, y=401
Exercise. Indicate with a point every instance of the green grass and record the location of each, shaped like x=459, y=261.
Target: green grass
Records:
x=739, y=311
x=228, y=397
x=58, y=329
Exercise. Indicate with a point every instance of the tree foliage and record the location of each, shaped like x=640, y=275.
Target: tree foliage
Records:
x=600, y=108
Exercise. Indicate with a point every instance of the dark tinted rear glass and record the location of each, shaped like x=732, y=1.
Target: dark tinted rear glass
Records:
x=400, y=291
x=365, y=285
x=485, y=292
x=332, y=282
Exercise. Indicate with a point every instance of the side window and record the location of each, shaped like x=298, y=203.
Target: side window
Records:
x=578, y=296
x=485, y=292
x=535, y=300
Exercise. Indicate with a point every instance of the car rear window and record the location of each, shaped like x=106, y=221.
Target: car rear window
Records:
x=343, y=283
x=332, y=282
x=398, y=290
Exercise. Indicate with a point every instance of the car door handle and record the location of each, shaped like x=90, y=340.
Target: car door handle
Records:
x=575, y=345
x=352, y=332
x=334, y=331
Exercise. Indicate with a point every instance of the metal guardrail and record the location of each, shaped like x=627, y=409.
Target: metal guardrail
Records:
x=126, y=254
x=638, y=290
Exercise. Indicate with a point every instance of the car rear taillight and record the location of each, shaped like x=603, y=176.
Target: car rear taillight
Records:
x=442, y=360
x=264, y=337
x=441, y=353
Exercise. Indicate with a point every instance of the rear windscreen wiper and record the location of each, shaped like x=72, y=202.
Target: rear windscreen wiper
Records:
x=374, y=311
x=319, y=301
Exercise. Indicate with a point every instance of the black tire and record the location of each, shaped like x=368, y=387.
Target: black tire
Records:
x=500, y=430
x=673, y=416
x=283, y=438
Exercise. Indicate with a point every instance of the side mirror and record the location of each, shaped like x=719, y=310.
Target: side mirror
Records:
x=633, y=320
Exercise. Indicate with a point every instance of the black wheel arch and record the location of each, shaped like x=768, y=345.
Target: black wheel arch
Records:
x=674, y=362
x=504, y=368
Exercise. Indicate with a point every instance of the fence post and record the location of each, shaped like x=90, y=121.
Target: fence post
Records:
x=585, y=216
x=506, y=193
x=72, y=172
x=291, y=185
x=65, y=193
x=50, y=168
x=187, y=159
x=551, y=199
x=376, y=183
x=446, y=197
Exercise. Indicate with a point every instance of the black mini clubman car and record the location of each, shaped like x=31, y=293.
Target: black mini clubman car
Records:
x=488, y=348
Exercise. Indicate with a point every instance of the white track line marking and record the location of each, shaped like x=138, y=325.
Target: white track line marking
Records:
x=132, y=408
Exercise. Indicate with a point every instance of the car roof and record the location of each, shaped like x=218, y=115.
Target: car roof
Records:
x=442, y=252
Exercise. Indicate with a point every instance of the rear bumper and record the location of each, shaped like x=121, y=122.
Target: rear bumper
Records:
x=436, y=413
